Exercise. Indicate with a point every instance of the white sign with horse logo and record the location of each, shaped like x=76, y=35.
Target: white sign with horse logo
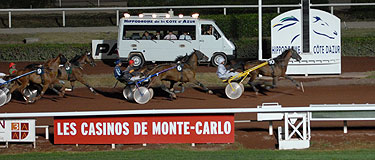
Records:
x=325, y=41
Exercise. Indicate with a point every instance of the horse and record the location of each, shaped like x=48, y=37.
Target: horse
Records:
x=189, y=64
x=50, y=69
x=75, y=70
x=275, y=70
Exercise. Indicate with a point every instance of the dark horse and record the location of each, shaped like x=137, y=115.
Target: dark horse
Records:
x=276, y=70
x=45, y=80
x=75, y=72
x=187, y=74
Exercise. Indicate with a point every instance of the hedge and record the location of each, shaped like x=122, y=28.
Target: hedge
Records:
x=246, y=48
x=242, y=25
x=40, y=52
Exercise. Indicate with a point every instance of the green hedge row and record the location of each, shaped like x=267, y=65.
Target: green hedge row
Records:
x=242, y=25
x=40, y=52
x=246, y=48
x=358, y=46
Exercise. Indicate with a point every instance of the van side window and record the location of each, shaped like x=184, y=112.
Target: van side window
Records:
x=208, y=29
x=159, y=32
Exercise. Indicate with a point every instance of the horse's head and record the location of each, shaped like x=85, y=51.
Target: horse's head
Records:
x=322, y=28
x=88, y=59
x=200, y=55
x=294, y=54
x=60, y=59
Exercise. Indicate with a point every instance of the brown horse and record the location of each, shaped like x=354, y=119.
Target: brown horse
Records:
x=45, y=79
x=275, y=70
x=75, y=71
x=186, y=74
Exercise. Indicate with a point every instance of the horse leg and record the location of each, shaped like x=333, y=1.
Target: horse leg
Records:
x=202, y=86
x=80, y=79
x=252, y=84
x=274, y=81
x=72, y=83
x=293, y=81
x=171, y=86
x=61, y=93
x=171, y=94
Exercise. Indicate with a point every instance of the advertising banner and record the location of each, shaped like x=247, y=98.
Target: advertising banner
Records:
x=22, y=130
x=145, y=129
x=104, y=49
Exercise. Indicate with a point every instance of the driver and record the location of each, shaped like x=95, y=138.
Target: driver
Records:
x=222, y=72
x=129, y=74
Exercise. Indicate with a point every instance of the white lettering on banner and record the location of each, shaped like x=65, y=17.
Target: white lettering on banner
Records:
x=180, y=127
x=59, y=129
x=91, y=129
x=73, y=128
x=144, y=128
x=125, y=125
x=198, y=131
x=227, y=127
x=186, y=128
x=99, y=130
x=83, y=130
x=66, y=128
x=140, y=128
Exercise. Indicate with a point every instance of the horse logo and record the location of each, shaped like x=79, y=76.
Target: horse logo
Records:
x=318, y=27
x=287, y=22
x=322, y=28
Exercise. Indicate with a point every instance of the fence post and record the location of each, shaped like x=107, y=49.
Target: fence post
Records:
x=331, y=9
x=278, y=10
x=63, y=18
x=10, y=19
x=98, y=3
x=60, y=3
x=225, y=11
x=117, y=16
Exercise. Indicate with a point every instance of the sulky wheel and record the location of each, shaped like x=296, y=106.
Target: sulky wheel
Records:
x=9, y=95
x=29, y=94
x=235, y=92
x=3, y=97
x=128, y=92
x=142, y=95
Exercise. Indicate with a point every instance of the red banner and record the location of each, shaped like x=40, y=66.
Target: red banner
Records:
x=145, y=129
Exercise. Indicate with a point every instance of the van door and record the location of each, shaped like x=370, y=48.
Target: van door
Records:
x=210, y=40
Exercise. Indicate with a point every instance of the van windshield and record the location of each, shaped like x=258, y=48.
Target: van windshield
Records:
x=158, y=32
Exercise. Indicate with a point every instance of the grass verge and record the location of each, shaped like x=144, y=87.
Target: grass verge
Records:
x=191, y=154
x=371, y=75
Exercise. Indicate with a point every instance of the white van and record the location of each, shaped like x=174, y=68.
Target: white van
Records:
x=145, y=38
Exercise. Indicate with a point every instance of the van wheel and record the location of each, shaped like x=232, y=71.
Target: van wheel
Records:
x=216, y=57
x=138, y=60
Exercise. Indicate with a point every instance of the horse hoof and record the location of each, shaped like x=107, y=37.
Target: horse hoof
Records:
x=210, y=92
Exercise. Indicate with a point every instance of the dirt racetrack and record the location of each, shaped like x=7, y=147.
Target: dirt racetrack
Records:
x=250, y=135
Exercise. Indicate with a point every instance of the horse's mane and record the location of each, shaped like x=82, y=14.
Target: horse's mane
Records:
x=182, y=58
x=282, y=55
x=75, y=59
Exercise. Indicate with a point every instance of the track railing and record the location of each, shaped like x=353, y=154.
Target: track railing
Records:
x=118, y=9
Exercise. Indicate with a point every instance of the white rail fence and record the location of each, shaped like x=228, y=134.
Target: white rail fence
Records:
x=118, y=9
